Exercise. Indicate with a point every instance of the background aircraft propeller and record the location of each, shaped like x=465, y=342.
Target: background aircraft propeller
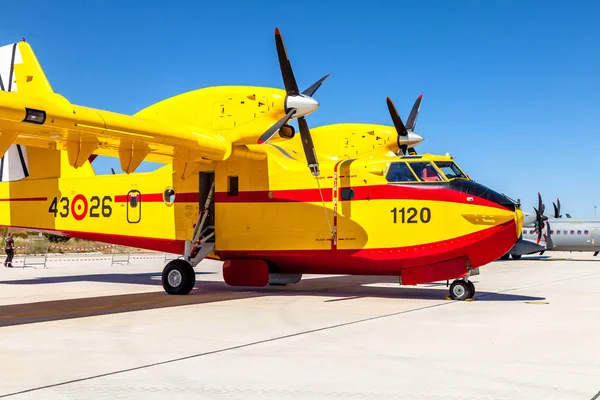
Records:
x=407, y=137
x=540, y=218
x=297, y=105
x=557, y=209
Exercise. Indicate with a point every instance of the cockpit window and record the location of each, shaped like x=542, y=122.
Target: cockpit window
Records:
x=399, y=172
x=450, y=169
x=426, y=171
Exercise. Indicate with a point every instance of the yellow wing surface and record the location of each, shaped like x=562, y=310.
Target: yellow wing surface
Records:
x=192, y=128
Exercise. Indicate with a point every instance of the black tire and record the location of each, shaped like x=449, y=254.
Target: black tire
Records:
x=459, y=290
x=505, y=257
x=178, y=277
x=516, y=256
x=471, y=290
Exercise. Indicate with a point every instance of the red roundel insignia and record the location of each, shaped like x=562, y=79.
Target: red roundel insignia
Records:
x=79, y=207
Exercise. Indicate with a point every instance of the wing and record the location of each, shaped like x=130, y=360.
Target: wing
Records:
x=176, y=130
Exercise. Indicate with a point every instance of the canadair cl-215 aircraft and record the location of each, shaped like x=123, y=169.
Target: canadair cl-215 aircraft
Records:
x=235, y=185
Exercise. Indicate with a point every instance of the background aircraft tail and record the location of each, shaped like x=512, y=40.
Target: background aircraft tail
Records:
x=20, y=70
x=14, y=165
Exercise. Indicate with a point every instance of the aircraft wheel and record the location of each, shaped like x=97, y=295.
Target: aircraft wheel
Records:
x=516, y=256
x=178, y=277
x=471, y=289
x=505, y=257
x=459, y=290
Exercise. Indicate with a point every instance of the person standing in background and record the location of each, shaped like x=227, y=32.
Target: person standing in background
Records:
x=9, y=247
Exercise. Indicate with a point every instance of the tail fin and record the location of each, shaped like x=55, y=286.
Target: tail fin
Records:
x=14, y=165
x=20, y=70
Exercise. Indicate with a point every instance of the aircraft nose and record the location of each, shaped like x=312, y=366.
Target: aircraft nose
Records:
x=303, y=104
x=519, y=222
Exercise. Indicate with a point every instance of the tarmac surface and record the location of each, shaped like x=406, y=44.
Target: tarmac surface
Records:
x=85, y=329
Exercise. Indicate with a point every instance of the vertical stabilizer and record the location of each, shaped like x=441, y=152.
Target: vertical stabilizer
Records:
x=20, y=70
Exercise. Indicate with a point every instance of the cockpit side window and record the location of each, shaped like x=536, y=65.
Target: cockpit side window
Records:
x=399, y=172
x=426, y=171
x=450, y=169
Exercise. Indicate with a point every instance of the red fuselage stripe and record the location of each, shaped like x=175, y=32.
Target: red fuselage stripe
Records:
x=159, y=198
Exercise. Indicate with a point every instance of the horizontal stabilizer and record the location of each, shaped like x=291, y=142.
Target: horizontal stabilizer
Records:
x=14, y=165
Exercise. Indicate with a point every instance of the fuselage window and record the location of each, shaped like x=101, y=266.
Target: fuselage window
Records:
x=426, y=171
x=572, y=232
x=399, y=172
x=552, y=232
x=579, y=232
x=558, y=232
x=565, y=232
x=586, y=232
x=232, y=189
x=531, y=232
x=450, y=169
x=524, y=231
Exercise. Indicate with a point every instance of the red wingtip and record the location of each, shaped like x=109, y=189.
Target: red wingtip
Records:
x=260, y=141
x=420, y=96
x=277, y=31
x=388, y=99
x=23, y=40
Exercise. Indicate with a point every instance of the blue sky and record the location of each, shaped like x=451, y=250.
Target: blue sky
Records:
x=510, y=88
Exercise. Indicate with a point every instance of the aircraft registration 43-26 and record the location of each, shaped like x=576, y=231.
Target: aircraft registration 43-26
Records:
x=239, y=184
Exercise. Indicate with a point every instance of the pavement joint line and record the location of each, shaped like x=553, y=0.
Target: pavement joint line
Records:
x=278, y=338
x=223, y=350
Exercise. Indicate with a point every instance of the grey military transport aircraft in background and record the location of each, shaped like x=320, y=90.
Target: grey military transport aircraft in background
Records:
x=554, y=233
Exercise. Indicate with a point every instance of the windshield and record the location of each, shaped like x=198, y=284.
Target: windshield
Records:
x=399, y=172
x=426, y=171
x=450, y=169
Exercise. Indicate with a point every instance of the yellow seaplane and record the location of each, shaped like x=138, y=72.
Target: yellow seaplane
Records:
x=235, y=185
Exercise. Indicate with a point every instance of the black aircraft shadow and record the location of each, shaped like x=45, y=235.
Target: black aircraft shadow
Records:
x=342, y=288
x=145, y=278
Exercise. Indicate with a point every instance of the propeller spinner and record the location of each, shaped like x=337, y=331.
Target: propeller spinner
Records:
x=407, y=137
x=297, y=105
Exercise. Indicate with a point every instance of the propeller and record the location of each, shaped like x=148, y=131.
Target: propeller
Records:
x=407, y=137
x=557, y=209
x=297, y=105
x=540, y=218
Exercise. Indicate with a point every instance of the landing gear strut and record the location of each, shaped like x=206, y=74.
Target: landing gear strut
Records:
x=178, y=276
x=462, y=289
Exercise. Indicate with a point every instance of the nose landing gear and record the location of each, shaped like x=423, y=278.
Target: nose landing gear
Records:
x=462, y=289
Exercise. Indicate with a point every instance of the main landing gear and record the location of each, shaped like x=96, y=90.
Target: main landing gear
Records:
x=178, y=276
x=462, y=289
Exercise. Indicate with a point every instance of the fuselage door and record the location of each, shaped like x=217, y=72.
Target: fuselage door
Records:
x=134, y=206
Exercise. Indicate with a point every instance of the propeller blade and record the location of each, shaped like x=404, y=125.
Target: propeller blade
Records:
x=404, y=149
x=313, y=88
x=309, y=148
x=558, y=201
x=276, y=127
x=555, y=210
x=414, y=113
x=400, y=128
x=412, y=151
x=549, y=242
x=289, y=81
